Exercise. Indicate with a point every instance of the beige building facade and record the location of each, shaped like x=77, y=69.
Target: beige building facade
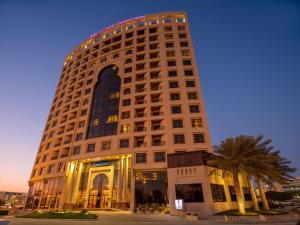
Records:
x=127, y=98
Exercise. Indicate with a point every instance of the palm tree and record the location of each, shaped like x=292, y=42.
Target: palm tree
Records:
x=232, y=154
x=269, y=166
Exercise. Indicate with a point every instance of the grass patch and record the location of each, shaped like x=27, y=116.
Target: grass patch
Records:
x=251, y=212
x=59, y=215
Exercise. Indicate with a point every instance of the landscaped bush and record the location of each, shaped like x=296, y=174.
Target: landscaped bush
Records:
x=3, y=212
x=59, y=215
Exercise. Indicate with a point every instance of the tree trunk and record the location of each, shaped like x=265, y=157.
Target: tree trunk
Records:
x=239, y=193
x=252, y=192
x=262, y=194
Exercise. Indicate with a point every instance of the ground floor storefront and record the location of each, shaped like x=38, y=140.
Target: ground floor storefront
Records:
x=185, y=185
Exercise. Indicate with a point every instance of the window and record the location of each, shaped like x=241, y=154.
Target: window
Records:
x=170, y=53
x=85, y=102
x=175, y=96
x=89, y=81
x=90, y=148
x=60, y=167
x=179, y=139
x=126, y=91
x=232, y=193
x=171, y=63
x=112, y=119
x=83, y=112
x=115, y=56
x=187, y=62
x=169, y=36
x=189, y=192
x=125, y=128
x=126, y=102
x=185, y=53
x=41, y=171
x=141, y=23
x=192, y=95
x=167, y=20
x=180, y=20
x=194, y=109
x=184, y=44
x=76, y=150
x=126, y=115
x=247, y=194
x=176, y=109
x=188, y=73
x=182, y=36
x=153, y=22
x=127, y=80
x=105, y=102
x=141, y=157
x=44, y=158
x=169, y=45
x=106, y=145
x=198, y=138
x=50, y=169
x=128, y=70
x=124, y=143
x=128, y=52
x=190, y=83
x=129, y=35
x=218, y=193
x=128, y=61
x=79, y=136
x=168, y=28
x=159, y=156
x=172, y=73
x=177, y=124
x=81, y=123
x=196, y=122
x=173, y=84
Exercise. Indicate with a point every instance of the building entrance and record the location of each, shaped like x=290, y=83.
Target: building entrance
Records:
x=99, y=194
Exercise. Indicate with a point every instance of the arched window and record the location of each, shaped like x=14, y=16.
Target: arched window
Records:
x=128, y=61
x=116, y=56
x=128, y=52
x=127, y=91
x=104, y=106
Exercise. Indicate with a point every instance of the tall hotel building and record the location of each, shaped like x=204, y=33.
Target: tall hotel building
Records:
x=127, y=126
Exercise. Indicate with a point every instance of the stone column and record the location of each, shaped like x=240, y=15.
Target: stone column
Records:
x=132, y=187
x=125, y=172
x=119, y=191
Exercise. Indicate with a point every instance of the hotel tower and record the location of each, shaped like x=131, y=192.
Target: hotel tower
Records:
x=127, y=126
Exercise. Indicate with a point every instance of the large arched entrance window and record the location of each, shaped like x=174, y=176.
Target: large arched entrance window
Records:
x=105, y=106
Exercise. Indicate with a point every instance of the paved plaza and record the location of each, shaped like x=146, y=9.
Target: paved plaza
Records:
x=126, y=218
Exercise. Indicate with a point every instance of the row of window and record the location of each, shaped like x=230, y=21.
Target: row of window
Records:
x=156, y=141
x=194, y=193
x=116, y=42
x=61, y=167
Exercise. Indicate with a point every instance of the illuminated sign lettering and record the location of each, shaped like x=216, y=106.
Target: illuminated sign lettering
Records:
x=116, y=24
x=103, y=163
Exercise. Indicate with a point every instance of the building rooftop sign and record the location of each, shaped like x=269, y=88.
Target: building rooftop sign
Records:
x=117, y=24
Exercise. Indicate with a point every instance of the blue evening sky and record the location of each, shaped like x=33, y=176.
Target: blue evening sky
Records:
x=248, y=55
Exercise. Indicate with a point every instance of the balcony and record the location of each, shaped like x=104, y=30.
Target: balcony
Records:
x=157, y=113
x=158, y=143
x=140, y=101
x=140, y=144
x=157, y=127
x=155, y=100
x=139, y=115
x=140, y=129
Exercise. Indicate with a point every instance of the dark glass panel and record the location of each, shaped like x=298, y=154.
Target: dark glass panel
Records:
x=105, y=106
